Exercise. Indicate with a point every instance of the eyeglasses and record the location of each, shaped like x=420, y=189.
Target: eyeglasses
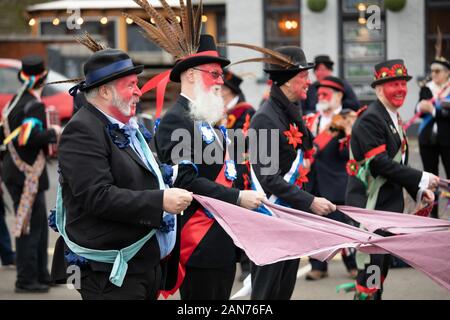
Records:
x=214, y=74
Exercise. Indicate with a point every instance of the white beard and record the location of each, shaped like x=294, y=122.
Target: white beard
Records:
x=323, y=106
x=208, y=106
x=123, y=106
x=328, y=106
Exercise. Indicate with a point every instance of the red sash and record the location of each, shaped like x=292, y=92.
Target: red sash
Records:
x=192, y=233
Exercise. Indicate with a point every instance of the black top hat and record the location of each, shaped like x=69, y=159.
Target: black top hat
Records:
x=105, y=66
x=333, y=83
x=33, y=65
x=442, y=61
x=279, y=74
x=324, y=59
x=206, y=53
x=390, y=70
x=232, y=81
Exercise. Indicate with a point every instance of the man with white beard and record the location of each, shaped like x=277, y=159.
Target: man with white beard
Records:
x=208, y=255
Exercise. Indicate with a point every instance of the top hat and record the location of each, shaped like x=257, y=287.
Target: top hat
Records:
x=280, y=74
x=333, y=83
x=324, y=59
x=206, y=53
x=390, y=70
x=107, y=65
x=232, y=81
x=33, y=65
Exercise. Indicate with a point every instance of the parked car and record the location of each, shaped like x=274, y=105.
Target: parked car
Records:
x=53, y=95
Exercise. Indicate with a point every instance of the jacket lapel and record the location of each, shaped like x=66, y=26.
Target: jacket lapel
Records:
x=392, y=128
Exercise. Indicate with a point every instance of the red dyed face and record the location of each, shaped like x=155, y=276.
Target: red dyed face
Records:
x=325, y=94
x=300, y=84
x=211, y=74
x=322, y=72
x=125, y=98
x=395, y=92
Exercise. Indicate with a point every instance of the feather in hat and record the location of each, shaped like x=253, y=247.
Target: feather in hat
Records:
x=179, y=36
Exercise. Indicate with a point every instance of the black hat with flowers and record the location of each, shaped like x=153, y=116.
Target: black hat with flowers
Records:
x=390, y=70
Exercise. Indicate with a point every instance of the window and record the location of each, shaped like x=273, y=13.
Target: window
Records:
x=437, y=13
x=136, y=40
x=360, y=47
x=282, y=23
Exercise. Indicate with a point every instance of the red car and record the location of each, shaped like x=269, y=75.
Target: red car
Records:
x=53, y=95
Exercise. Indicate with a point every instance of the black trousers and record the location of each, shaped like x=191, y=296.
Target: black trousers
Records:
x=95, y=285
x=430, y=160
x=6, y=252
x=31, y=249
x=207, y=284
x=378, y=265
x=274, y=281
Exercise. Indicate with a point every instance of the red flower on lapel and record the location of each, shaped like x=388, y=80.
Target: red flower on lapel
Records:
x=293, y=135
x=404, y=146
x=302, y=176
x=352, y=167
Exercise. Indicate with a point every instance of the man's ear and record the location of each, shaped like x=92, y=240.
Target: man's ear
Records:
x=104, y=92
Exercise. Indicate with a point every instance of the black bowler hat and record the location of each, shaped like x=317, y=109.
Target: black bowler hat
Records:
x=206, y=53
x=279, y=74
x=333, y=83
x=324, y=59
x=232, y=81
x=390, y=70
x=107, y=65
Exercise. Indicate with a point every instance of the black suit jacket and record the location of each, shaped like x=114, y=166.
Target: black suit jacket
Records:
x=216, y=249
x=350, y=101
x=328, y=176
x=112, y=199
x=278, y=113
x=27, y=107
x=372, y=129
x=442, y=120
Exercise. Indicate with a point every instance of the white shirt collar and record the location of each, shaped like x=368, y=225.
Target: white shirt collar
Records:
x=394, y=117
x=232, y=103
x=190, y=100
x=132, y=122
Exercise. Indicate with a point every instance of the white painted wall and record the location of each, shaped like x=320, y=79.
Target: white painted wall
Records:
x=320, y=32
x=406, y=40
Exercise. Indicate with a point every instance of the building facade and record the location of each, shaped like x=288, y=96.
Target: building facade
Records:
x=355, y=34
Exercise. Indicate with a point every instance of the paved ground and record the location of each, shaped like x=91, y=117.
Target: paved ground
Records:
x=401, y=284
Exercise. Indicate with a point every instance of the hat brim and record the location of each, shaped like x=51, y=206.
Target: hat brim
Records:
x=123, y=73
x=444, y=63
x=300, y=68
x=384, y=80
x=183, y=65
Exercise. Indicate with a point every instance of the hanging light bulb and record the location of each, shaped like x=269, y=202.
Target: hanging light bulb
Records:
x=80, y=21
x=204, y=18
x=32, y=22
x=129, y=20
x=55, y=22
x=104, y=20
